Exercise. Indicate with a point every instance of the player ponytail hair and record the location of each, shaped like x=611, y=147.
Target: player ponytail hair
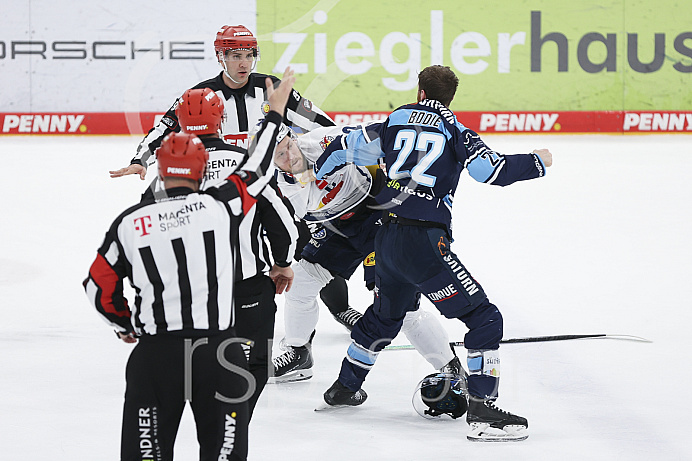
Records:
x=439, y=82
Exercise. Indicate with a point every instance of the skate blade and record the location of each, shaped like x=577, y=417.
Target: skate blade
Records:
x=325, y=407
x=483, y=432
x=295, y=376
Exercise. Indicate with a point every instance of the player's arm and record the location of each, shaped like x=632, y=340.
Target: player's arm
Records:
x=138, y=164
x=104, y=286
x=252, y=176
x=303, y=113
x=277, y=219
x=361, y=147
x=491, y=167
x=276, y=216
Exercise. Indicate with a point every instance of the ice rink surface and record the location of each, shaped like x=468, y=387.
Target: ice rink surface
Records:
x=602, y=244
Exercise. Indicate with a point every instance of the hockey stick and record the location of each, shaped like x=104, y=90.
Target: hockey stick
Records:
x=534, y=339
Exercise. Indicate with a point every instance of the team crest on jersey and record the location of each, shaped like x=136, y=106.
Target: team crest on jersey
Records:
x=307, y=104
x=266, y=107
x=324, y=143
x=320, y=234
x=369, y=260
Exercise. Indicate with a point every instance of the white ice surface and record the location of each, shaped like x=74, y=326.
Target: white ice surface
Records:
x=602, y=244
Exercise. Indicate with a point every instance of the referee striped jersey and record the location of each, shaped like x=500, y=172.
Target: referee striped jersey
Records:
x=270, y=216
x=179, y=253
x=245, y=107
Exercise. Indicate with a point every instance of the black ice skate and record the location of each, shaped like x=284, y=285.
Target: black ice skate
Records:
x=339, y=396
x=489, y=423
x=293, y=365
x=348, y=318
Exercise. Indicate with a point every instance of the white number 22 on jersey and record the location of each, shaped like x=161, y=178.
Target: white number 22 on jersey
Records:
x=429, y=147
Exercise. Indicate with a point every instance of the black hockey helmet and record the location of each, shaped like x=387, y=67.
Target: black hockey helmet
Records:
x=439, y=394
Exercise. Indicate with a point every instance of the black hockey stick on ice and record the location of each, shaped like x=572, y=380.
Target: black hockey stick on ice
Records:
x=534, y=339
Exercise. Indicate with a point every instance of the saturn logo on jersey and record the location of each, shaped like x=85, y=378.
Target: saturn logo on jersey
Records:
x=142, y=224
x=458, y=269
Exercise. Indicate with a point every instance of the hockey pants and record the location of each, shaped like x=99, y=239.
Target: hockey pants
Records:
x=411, y=261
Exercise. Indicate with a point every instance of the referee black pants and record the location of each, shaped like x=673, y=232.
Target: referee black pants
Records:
x=255, y=313
x=166, y=371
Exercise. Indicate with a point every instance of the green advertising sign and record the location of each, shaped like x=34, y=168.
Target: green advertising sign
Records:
x=510, y=55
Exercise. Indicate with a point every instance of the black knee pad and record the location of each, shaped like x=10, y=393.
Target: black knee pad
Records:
x=335, y=295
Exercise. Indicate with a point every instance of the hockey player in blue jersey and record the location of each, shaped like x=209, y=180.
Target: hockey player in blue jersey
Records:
x=341, y=204
x=424, y=150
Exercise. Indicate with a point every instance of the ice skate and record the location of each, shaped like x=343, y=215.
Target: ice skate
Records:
x=489, y=423
x=293, y=365
x=339, y=396
x=348, y=318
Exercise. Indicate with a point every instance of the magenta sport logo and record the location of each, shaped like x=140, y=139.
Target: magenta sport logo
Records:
x=143, y=224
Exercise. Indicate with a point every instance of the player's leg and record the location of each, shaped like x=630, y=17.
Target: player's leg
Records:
x=357, y=245
x=154, y=399
x=301, y=313
x=379, y=325
x=370, y=335
x=456, y=294
x=335, y=297
x=255, y=312
x=429, y=337
x=330, y=251
x=221, y=388
x=327, y=253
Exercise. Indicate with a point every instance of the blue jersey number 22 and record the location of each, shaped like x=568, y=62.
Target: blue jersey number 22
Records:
x=428, y=147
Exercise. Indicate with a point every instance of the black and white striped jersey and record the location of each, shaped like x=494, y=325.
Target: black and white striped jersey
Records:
x=271, y=217
x=179, y=253
x=245, y=108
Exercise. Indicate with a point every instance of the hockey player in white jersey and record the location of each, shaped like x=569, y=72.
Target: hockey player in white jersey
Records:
x=340, y=206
